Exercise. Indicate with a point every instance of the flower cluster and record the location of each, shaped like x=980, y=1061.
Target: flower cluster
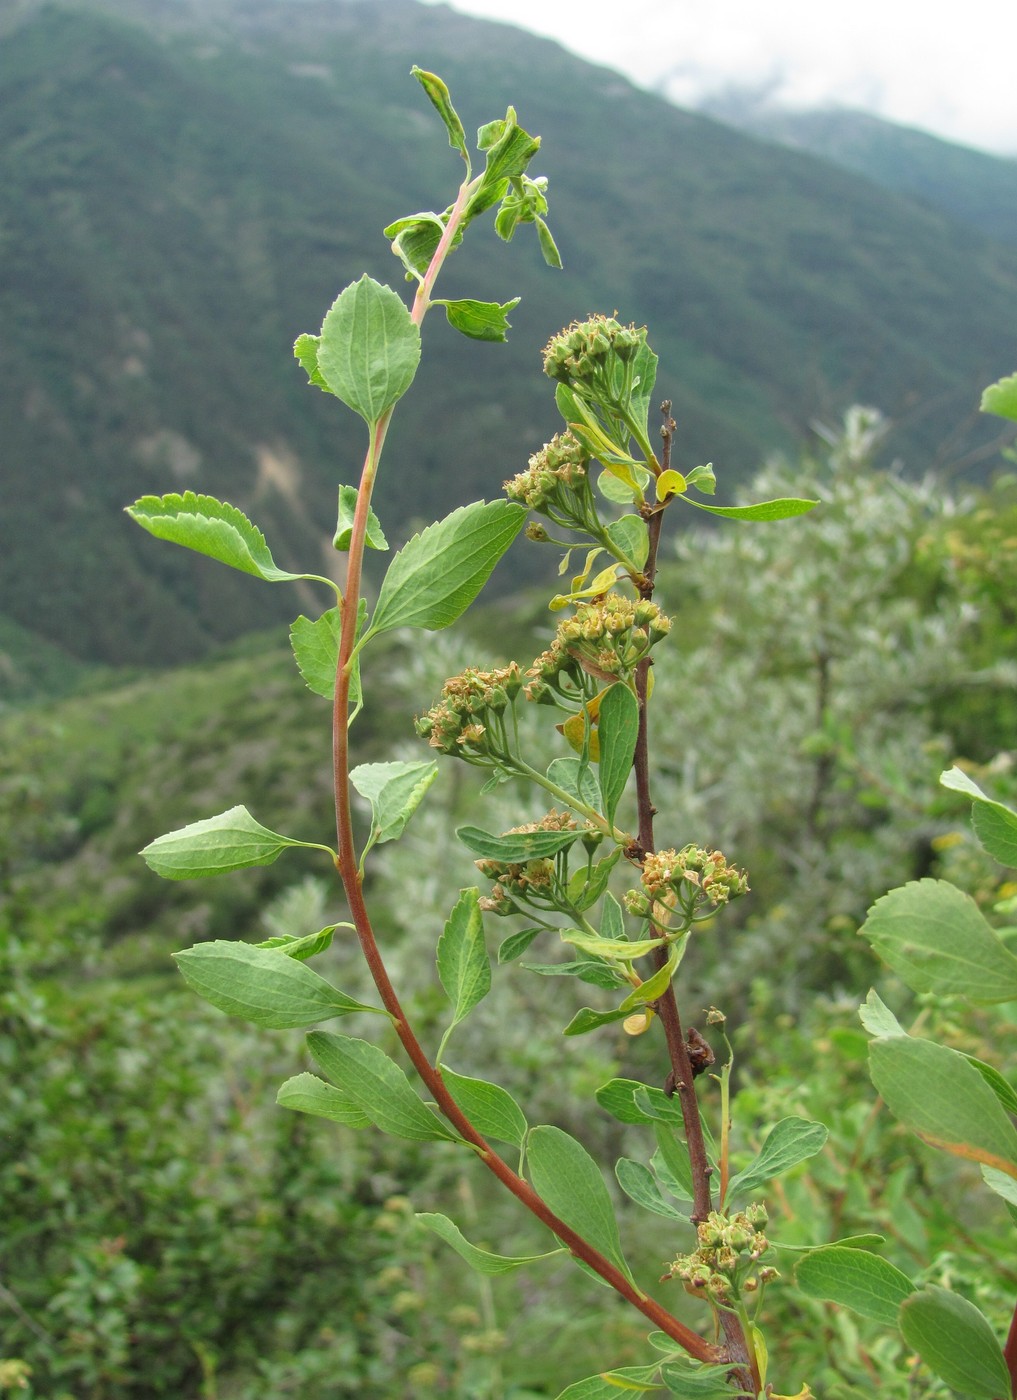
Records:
x=693, y=875
x=555, y=482
x=605, y=638
x=468, y=714
x=587, y=354
x=530, y=881
x=723, y=1266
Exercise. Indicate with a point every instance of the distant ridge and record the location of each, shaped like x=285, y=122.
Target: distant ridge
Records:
x=184, y=188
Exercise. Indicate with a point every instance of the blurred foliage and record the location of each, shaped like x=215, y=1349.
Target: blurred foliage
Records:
x=182, y=190
x=168, y=1231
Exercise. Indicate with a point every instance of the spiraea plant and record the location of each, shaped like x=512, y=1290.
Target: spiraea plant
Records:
x=589, y=876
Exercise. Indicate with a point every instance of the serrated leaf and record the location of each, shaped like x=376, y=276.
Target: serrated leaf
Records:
x=569, y=1181
x=480, y=320
x=376, y=1084
x=877, y=1018
x=631, y=537
x=395, y=790
x=315, y=647
x=306, y=1093
x=232, y=840
x=491, y=1109
x=305, y=349
x=516, y=847
x=940, y=1096
x=956, y=1342
x=640, y=1185
x=374, y=537
x=438, y=95
x=463, y=964
x=788, y=1142
x=937, y=939
x=438, y=573
x=781, y=509
x=517, y=943
x=369, y=348
x=213, y=528
x=618, y=729
x=855, y=1279
x=480, y=1259
x=1001, y=398
x=263, y=985
x=302, y=948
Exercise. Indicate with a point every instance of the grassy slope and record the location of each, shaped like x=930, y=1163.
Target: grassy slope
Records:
x=178, y=203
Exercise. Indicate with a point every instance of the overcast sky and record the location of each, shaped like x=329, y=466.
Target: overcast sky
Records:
x=951, y=69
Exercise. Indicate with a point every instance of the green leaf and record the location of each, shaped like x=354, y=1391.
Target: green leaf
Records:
x=507, y=158
x=644, y=374
x=395, y=790
x=516, y=847
x=996, y=828
x=672, y=1164
x=463, y=964
x=609, y=1385
x=631, y=537
x=374, y=537
x=316, y=650
x=231, y=841
x=586, y=886
x=855, y=1279
x=598, y=974
x=656, y=985
x=579, y=780
x=586, y=1020
x=480, y=1259
x=301, y=948
x=480, y=320
x=438, y=573
x=438, y=94
x=369, y=348
x=937, y=939
x=415, y=240
x=788, y=1142
x=210, y=527
x=377, y=1085
x=491, y=1109
x=1001, y=398
x=612, y=920
x=940, y=1096
x=640, y=1185
x=517, y=943
x=1002, y=1184
x=263, y=985
x=694, y=1381
x=305, y=348
x=306, y=1093
x=956, y=1342
x=877, y=1018
x=624, y=949
x=1001, y=1087
x=548, y=247
x=848, y=1242
x=618, y=728
x=569, y=1181
x=617, y=1097
x=764, y=510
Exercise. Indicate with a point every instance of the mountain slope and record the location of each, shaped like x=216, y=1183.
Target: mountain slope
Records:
x=972, y=187
x=182, y=194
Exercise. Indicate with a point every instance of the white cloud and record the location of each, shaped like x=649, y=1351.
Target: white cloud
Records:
x=951, y=72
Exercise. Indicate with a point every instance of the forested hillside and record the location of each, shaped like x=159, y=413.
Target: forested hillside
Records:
x=183, y=189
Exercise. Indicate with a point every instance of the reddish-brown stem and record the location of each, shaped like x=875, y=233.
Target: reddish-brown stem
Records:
x=349, y=873
x=738, y=1350
x=1010, y=1352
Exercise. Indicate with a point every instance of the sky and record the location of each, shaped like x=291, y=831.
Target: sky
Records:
x=953, y=73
